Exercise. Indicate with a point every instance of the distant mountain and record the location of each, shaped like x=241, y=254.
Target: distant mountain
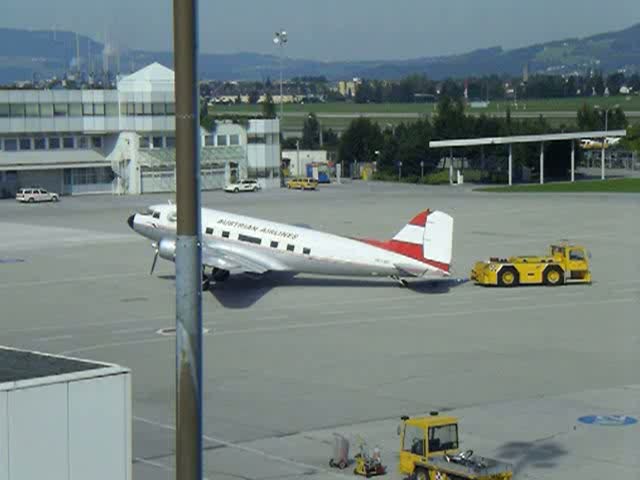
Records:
x=25, y=54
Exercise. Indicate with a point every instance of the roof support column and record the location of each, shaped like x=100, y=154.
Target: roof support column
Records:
x=602, y=161
x=573, y=160
x=510, y=164
x=541, y=163
x=450, y=166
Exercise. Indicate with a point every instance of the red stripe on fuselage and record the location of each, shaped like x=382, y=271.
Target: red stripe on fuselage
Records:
x=410, y=250
x=420, y=220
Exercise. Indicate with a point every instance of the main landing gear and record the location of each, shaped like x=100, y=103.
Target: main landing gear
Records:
x=401, y=281
x=217, y=275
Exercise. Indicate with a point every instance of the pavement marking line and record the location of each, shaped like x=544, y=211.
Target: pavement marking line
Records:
x=253, y=451
x=479, y=291
x=153, y=464
x=49, y=339
x=300, y=326
x=84, y=325
x=69, y=280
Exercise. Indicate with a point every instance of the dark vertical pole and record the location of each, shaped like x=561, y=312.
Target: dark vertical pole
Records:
x=188, y=246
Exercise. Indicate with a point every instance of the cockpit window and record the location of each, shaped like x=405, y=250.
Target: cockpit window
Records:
x=145, y=211
x=156, y=215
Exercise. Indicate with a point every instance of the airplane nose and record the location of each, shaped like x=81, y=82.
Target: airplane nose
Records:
x=130, y=221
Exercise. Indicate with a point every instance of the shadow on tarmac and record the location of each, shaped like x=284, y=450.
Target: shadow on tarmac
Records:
x=242, y=291
x=537, y=454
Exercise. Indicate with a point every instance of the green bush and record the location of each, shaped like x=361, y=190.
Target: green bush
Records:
x=437, y=178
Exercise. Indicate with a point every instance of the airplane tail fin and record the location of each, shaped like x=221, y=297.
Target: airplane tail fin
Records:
x=428, y=237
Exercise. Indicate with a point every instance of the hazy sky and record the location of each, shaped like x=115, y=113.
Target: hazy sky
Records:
x=332, y=29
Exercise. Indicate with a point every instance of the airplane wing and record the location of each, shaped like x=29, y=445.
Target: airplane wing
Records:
x=236, y=259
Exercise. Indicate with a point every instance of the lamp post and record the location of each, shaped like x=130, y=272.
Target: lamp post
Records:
x=280, y=39
x=604, y=141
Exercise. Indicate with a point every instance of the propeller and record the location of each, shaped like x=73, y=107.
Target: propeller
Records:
x=155, y=257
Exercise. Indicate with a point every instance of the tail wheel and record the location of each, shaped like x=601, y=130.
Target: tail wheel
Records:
x=553, y=276
x=508, y=277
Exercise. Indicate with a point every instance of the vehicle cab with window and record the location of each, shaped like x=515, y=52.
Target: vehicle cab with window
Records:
x=422, y=437
x=429, y=450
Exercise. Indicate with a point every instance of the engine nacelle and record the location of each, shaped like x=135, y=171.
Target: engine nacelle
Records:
x=167, y=249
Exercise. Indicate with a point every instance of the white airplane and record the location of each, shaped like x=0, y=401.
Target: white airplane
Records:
x=238, y=244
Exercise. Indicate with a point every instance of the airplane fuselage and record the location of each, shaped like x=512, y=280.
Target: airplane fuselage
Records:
x=287, y=248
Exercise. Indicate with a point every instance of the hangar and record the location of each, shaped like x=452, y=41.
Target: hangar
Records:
x=541, y=139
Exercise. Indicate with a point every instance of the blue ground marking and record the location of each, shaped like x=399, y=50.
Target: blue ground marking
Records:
x=608, y=420
x=11, y=260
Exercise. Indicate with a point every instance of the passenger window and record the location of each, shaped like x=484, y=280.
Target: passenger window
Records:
x=274, y=244
x=290, y=248
x=225, y=234
x=156, y=215
x=306, y=251
x=209, y=231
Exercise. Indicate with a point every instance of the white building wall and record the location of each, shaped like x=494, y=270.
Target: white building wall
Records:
x=4, y=436
x=74, y=427
x=300, y=159
x=38, y=427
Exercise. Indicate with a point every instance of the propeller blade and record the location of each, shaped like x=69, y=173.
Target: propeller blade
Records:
x=155, y=258
x=153, y=265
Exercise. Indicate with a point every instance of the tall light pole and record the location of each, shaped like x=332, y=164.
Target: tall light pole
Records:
x=188, y=247
x=280, y=39
x=604, y=140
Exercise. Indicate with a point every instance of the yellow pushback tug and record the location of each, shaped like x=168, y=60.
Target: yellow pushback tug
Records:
x=566, y=263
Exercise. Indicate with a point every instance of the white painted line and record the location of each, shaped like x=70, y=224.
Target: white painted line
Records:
x=342, y=323
x=153, y=464
x=251, y=450
x=58, y=281
x=49, y=339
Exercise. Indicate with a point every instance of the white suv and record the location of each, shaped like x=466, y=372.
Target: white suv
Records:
x=36, y=194
x=243, y=186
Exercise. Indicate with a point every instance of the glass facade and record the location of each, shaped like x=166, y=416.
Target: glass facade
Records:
x=109, y=109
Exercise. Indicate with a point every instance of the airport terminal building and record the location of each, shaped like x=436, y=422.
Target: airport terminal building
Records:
x=121, y=141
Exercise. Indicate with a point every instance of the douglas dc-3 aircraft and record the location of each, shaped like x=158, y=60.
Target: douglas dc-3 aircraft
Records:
x=238, y=244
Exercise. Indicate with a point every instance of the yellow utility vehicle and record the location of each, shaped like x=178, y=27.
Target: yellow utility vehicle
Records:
x=429, y=451
x=566, y=263
x=303, y=183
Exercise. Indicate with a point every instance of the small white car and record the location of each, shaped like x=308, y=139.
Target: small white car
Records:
x=36, y=194
x=243, y=186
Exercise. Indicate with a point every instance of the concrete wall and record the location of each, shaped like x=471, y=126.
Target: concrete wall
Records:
x=300, y=159
x=69, y=429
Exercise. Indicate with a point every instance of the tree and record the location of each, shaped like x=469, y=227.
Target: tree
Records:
x=588, y=119
x=614, y=82
x=360, y=141
x=254, y=96
x=310, y=132
x=632, y=140
x=450, y=121
x=268, y=107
